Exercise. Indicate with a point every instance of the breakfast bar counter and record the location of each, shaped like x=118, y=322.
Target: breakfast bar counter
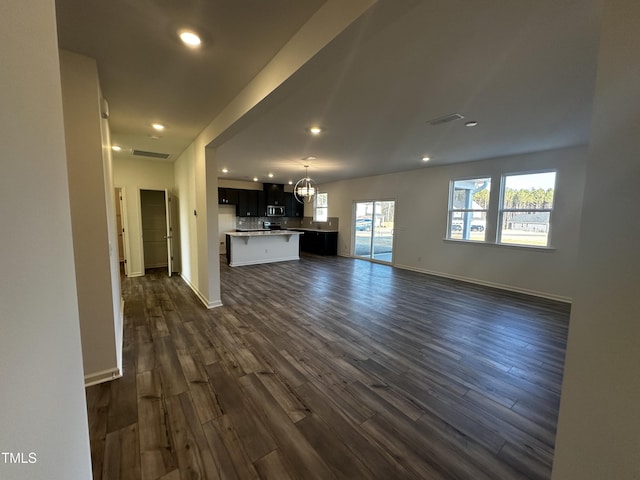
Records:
x=250, y=248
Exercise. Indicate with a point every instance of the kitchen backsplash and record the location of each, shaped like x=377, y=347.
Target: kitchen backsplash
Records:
x=287, y=222
x=330, y=224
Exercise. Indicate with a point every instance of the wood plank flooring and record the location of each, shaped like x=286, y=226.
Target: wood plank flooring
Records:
x=331, y=368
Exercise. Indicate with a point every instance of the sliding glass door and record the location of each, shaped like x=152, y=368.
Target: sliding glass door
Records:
x=373, y=230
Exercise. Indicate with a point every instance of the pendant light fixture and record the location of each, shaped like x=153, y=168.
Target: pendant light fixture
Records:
x=305, y=188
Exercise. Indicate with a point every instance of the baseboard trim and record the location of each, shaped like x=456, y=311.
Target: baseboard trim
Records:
x=120, y=337
x=101, y=377
x=201, y=297
x=510, y=288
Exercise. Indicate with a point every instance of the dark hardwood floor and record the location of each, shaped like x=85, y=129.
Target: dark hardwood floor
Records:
x=331, y=368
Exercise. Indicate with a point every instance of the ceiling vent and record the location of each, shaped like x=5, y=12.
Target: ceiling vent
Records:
x=447, y=118
x=142, y=153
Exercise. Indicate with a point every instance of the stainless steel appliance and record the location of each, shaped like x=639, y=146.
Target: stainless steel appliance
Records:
x=275, y=211
x=272, y=225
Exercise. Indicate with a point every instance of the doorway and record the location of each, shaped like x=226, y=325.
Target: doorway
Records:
x=226, y=223
x=373, y=229
x=120, y=229
x=155, y=210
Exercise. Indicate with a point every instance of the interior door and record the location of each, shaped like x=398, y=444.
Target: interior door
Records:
x=169, y=235
x=153, y=204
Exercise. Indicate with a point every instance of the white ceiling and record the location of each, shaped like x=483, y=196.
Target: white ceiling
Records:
x=524, y=69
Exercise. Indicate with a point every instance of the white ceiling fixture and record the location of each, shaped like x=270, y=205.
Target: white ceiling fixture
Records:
x=315, y=131
x=472, y=123
x=445, y=119
x=158, y=126
x=225, y=170
x=116, y=148
x=305, y=188
x=145, y=153
x=426, y=158
x=190, y=38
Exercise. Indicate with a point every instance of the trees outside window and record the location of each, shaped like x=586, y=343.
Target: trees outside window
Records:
x=526, y=208
x=523, y=213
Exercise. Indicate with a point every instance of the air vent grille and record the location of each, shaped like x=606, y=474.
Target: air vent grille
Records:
x=143, y=153
x=447, y=118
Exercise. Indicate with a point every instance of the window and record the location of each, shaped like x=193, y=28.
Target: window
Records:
x=321, y=208
x=468, y=206
x=525, y=208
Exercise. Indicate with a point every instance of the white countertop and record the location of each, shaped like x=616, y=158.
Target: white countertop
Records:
x=314, y=230
x=268, y=233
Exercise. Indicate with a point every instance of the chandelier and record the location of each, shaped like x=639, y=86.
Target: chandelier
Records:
x=305, y=188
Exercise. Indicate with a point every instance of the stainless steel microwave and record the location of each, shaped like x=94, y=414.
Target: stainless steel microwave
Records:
x=275, y=211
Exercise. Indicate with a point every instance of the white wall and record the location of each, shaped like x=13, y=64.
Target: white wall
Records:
x=421, y=218
x=42, y=401
x=132, y=175
x=599, y=425
x=197, y=187
x=92, y=218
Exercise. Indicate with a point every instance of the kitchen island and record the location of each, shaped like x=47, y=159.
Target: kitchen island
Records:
x=250, y=248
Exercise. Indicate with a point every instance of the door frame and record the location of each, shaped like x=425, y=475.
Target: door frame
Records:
x=125, y=226
x=353, y=230
x=169, y=226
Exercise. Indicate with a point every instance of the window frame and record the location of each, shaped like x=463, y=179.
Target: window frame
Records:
x=325, y=207
x=502, y=210
x=451, y=210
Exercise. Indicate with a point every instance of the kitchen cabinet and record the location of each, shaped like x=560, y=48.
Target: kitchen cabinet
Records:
x=319, y=242
x=250, y=203
x=227, y=196
x=262, y=205
x=292, y=206
x=274, y=194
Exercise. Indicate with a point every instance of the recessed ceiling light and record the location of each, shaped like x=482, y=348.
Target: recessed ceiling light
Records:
x=472, y=123
x=271, y=175
x=158, y=126
x=311, y=157
x=255, y=179
x=225, y=170
x=290, y=182
x=315, y=130
x=426, y=158
x=189, y=38
x=116, y=148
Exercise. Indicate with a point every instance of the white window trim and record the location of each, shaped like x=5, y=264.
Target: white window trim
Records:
x=316, y=208
x=451, y=211
x=494, y=212
x=502, y=211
